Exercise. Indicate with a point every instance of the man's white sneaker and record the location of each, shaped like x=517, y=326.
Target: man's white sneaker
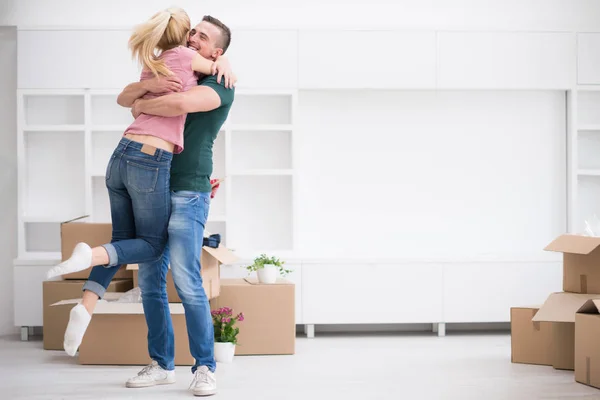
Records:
x=204, y=383
x=151, y=375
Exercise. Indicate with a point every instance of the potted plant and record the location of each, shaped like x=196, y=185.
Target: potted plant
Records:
x=225, y=333
x=267, y=268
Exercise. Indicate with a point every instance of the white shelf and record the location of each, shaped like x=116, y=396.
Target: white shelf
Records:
x=261, y=110
x=54, y=128
x=34, y=218
x=589, y=172
x=261, y=127
x=38, y=258
x=106, y=111
x=103, y=146
x=263, y=172
x=591, y=127
x=55, y=174
x=53, y=109
x=110, y=128
x=261, y=150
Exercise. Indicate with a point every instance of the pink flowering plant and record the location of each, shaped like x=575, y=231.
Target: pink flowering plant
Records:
x=224, y=325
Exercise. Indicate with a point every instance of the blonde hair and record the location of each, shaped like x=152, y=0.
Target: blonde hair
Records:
x=165, y=30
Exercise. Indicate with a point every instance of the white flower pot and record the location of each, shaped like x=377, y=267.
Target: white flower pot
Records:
x=267, y=274
x=224, y=352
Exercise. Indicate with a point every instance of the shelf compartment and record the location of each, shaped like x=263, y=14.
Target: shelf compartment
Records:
x=263, y=172
x=106, y=111
x=261, y=150
x=54, y=110
x=219, y=227
x=261, y=109
x=100, y=201
x=218, y=204
x=588, y=193
x=219, y=157
x=103, y=146
x=588, y=145
x=588, y=104
x=261, y=207
x=42, y=237
x=55, y=174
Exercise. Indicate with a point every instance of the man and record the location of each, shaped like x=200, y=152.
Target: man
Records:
x=207, y=106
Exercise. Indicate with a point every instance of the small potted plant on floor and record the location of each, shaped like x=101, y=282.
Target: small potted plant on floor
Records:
x=225, y=333
x=267, y=268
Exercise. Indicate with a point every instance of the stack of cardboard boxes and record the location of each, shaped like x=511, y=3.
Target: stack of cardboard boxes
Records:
x=564, y=331
x=117, y=334
x=71, y=286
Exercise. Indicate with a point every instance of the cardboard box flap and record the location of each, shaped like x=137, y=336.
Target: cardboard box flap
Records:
x=574, y=244
x=132, y=267
x=590, y=307
x=75, y=219
x=562, y=307
x=280, y=281
x=110, y=306
x=223, y=254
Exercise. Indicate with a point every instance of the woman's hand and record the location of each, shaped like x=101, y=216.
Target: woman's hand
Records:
x=222, y=68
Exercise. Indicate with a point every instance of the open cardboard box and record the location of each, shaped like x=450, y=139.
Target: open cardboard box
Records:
x=211, y=259
x=560, y=309
x=587, y=350
x=581, y=262
x=117, y=334
x=57, y=318
x=531, y=342
x=94, y=234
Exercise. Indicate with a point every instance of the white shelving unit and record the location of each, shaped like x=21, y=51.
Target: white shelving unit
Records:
x=584, y=127
x=67, y=137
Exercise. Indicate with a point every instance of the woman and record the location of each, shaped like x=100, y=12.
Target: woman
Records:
x=138, y=173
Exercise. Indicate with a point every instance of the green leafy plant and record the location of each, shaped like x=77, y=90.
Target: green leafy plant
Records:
x=263, y=259
x=224, y=325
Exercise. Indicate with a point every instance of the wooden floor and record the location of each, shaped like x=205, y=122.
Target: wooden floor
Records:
x=332, y=366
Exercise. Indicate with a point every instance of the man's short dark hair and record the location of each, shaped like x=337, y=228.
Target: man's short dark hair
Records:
x=225, y=39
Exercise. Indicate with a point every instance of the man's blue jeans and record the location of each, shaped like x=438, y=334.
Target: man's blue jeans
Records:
x=189, y=212
x=138, y=189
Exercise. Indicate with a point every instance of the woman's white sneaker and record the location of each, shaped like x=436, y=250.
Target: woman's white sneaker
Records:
x=151, y=375
x=204, y=383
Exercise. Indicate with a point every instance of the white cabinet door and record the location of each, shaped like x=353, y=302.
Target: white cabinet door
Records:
x=75, y=59
x=509, y=60
x=485, y=292
x=240, y=272
x=265, y=59
x=372, y=294
x=588, y=58
x=358, y=59
x=28, y=291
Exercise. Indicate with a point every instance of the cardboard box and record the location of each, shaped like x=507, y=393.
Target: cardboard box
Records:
x=531, y=342
x=269, y=326
x=581, y=262
x=587, y=350
x=56, y=319
x=117, y=334
x=211, y=259
x=94, y=234
x=560, y=309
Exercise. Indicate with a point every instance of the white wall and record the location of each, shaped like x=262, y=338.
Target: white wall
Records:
x=562, y=15
x=8, y=174
x=431, y=175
